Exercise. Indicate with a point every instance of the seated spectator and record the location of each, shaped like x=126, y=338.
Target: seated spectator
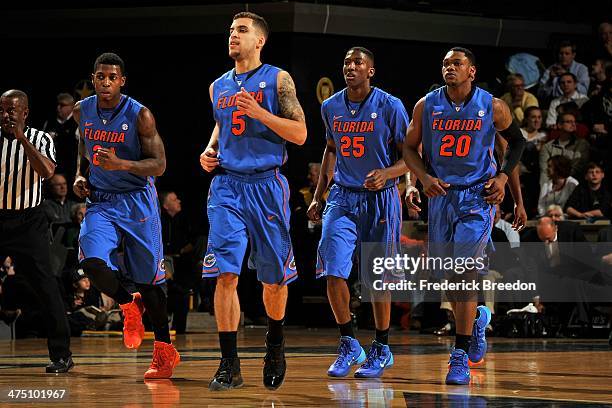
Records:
x=590, y=200
x=62, y=129
x=84, y=305
x=598, y=75
x=555, y=212
x=517, y=98
x=549, y=82
x=605, y=45
x=598, y=112
x=560, y=184
x=567, y=145
x=531, y=127
x=57, y=207
x=582, y=130
x=568, y=84
x=71, y=237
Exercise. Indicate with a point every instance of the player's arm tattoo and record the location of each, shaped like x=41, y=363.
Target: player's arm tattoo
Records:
x=288, y=103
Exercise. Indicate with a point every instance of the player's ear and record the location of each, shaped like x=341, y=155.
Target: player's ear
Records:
x=261, y=41
x=371, y=72
x=472, y=72
x=123, y=79
x=93, y=80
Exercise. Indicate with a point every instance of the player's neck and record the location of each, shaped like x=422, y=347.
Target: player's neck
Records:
x=458, y=94
x=247, y=65
x=359, y=93
x=109, y=104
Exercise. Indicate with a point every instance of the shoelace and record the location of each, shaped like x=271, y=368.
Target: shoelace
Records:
x=373, y=354
x=225, y=368
x=456, y=362
x=343, y=352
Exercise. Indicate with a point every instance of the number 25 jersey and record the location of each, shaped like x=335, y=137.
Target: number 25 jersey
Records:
x=365, y=135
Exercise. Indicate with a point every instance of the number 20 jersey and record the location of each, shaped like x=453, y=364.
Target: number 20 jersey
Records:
x=458, y=140
x=246, y=145
x=365, y=137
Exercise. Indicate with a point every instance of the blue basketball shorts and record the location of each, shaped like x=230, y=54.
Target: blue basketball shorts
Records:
x=352, y=217
x=133, y=218
x=460, y=223
x=251, y=208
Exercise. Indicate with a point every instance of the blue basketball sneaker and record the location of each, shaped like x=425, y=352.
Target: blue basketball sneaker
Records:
x=350, y=353
x=379, y=358
x=478, y=344
x=458, y=368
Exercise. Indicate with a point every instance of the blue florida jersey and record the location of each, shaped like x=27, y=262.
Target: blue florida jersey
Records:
x=116, y=130
x=246, y=145
x=458, y=140
x=365, y=135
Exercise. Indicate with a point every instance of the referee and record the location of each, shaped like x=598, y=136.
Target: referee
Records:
x=27, y=156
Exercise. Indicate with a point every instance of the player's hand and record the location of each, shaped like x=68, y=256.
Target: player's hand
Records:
x=412, y=196
x=208, y=159
x=495, y=189
x=433, y=186
x=314, y=210
x=247, y=104
x=80, y=187
x=520, y=217
x=376, y=179
x=108, y=159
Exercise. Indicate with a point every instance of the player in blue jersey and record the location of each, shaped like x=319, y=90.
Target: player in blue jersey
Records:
x=457, y=124
x=365, y=130
x=119, y=138
x=256, y=112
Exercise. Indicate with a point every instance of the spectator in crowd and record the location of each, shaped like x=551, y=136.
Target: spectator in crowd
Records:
x=517, y=98
x=71, y=237
x=58, y=206
x=549, y=83
x=178, y=251
x=512, y=235
x=555, y=212
x=600, y=70
x=590, y=200
x=568, y=84
x=532, y=128
x=63, y=129
x=313, y=177
x=560, y=184
x=567, y=145
x=605, y=45
x=597, y=112
x=7, y=315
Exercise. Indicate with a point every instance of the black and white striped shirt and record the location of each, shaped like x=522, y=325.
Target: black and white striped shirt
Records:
x=20, y=185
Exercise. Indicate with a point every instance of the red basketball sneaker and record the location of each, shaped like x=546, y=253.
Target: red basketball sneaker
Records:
x=133, y=329
x=165, y=358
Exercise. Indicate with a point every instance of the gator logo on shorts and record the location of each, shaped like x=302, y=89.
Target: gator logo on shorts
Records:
x=292, y=264
x=209, y=260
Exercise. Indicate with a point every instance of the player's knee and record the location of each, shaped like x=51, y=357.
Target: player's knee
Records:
x=227, y=280
x=335, y=281
x=274, y=289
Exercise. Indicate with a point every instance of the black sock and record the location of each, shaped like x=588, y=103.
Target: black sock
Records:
x=228, y=343
x=346, y=329
x=462, y=341
x=382, y=336
x=274, y=336
x=156, y=303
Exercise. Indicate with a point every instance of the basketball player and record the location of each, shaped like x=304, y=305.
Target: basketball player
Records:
x=256, y=112
x=119, y=138
x=457, y=124
x=365, y=129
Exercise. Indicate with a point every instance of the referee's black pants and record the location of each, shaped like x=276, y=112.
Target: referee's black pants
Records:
x=24, y=236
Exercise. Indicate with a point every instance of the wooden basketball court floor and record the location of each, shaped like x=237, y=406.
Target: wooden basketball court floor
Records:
x=518, y=372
